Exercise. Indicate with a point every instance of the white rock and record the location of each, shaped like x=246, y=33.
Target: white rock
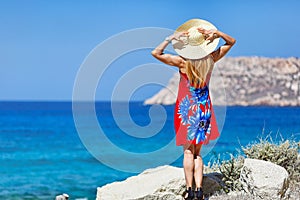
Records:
x=276, y=96
x=294, y=87
x=164, y=182
x=288, y=84
x=62, y=197
x=242, y=91
x=284, y=93
x=263, y=178
x=141, y=185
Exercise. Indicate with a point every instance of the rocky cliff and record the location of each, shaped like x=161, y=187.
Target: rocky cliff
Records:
x=247, y=81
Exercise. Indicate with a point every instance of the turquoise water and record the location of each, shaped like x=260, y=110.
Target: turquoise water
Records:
x=42, y=154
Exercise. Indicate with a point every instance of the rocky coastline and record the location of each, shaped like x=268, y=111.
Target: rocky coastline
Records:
x=246, y=81
x=267, y=170
x=167, y=182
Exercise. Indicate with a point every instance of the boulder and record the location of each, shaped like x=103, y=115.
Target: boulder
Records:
x=264, y=179
x=62, y=197
x=165, y=182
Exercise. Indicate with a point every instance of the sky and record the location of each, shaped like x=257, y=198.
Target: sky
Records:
x=43, y=44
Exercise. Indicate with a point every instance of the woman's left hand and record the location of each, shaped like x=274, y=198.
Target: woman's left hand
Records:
x=209, y=34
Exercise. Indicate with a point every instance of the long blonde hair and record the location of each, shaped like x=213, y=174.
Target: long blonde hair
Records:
x=199, y=71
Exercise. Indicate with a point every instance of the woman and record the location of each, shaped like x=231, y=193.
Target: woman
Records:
x=195, y=124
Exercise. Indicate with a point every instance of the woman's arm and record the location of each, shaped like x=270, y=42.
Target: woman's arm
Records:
x=168, y=59
x=223, y=50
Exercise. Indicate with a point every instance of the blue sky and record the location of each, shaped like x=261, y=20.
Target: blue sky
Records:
x=43, y=43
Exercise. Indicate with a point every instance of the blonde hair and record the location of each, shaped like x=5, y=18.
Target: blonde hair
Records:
x=199, y=71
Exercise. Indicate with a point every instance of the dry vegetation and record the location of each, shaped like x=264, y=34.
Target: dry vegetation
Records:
x=284, y=153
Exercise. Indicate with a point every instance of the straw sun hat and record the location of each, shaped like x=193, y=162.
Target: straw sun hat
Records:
x=194, y=46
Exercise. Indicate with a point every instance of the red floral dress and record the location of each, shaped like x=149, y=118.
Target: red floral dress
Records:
x=194, y=118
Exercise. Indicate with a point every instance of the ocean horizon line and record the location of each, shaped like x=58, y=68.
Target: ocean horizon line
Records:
x=122, y=102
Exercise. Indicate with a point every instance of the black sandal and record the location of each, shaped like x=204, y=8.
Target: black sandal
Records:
x=199, y=193
x=189, y=194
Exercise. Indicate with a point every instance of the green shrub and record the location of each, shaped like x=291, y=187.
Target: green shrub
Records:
x=284, y=153
x=231, y=170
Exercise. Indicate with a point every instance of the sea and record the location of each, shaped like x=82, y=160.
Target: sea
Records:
x=47, y=148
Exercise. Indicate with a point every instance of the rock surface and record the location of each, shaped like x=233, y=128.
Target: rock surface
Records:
x=164, y=182
x=247, y=81
x=264, y=179
x=260, y=179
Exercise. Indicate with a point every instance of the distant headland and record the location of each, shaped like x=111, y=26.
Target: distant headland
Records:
x=246, y=81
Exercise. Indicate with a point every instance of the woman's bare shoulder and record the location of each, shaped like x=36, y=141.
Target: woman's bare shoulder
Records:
x=179, y=61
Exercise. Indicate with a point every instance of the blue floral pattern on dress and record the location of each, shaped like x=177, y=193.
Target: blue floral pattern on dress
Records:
x=199, y=95
x=184, y=107
x=199, y=124
x=199, y=105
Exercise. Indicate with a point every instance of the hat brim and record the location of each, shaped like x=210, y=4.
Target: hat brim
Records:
x=195, y=52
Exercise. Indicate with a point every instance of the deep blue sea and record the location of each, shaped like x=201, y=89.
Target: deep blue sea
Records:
x=42, y=154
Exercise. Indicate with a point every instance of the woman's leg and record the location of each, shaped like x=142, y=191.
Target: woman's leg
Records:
x=188, y=164
x=198, y=166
